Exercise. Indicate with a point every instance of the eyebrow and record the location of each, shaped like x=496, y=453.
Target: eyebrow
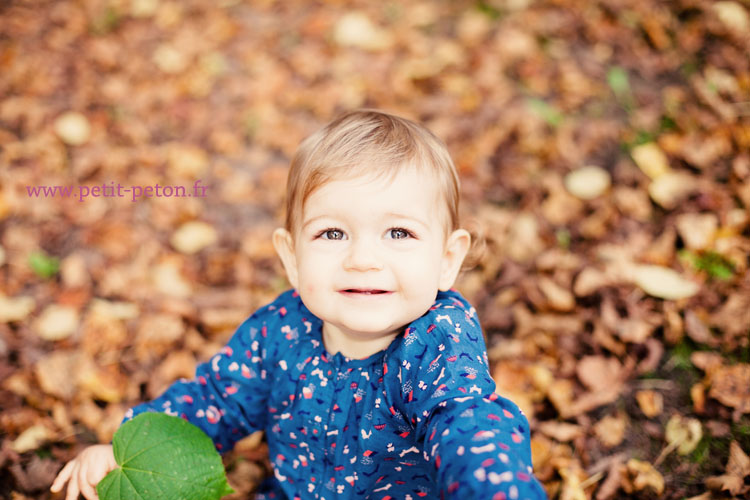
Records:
x=310, y=221
x=394, y=215
x=397, y=215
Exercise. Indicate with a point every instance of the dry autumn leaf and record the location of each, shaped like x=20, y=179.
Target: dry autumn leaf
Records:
x=355, y=29
x=193, y=236
x=57, y=322
x=73, y=128
x=663, y=282
x=590, y=137
x=738, y=468
x=697, y=230
x=670, y=189
x=32, y=438
x=650, y=402
x=730, y=385
x=640, y=476
x=733, y=15
x=15, y=308
x=650, y=159
x=573, y=478
x=560, y=431
x=610, y=430
x=682, y=433
x=599, y=373
x=587, y=182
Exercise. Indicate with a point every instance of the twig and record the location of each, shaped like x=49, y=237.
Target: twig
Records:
x=667, y=450
x=592, y=480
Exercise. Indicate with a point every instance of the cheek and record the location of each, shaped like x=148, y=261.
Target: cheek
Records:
x=418, y=272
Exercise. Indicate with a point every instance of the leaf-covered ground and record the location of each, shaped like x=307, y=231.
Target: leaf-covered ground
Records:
x=604, y=149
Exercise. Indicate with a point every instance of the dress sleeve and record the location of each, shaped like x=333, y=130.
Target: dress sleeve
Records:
x=478, y=440
x=228, y=397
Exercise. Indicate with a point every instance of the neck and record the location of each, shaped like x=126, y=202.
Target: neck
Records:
x=354, y=346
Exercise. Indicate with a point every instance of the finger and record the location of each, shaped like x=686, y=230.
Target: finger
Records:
x=62, y=476
x=73, y=485
x=87, y=484
x=88, y=491
x=72, y=491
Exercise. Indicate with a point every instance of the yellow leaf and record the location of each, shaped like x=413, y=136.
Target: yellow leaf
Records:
x=683, y=433
x=73, y=128
x=642, y=475
x=193, y=236
x=697, y=230
x=32, y=438
x=651, y=402
x=733, y=15
x=355, y=29
x=15, y=308
x=663, y=282
x=57, y=322
x=670, y=188
x=650, y=159
x=587, y=183
x=610, y=430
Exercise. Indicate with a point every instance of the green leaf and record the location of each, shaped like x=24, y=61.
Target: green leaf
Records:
x=618, y=80
x=715, y=264
x=43, y=265
x=166, y=458
x=563, y=238
x=546, y=111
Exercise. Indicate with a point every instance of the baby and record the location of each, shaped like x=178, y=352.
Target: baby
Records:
x=370, y=377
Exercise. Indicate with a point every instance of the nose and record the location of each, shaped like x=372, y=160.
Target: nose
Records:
x=362, y=255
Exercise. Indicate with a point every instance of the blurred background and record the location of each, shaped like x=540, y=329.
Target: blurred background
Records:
x=604, y=148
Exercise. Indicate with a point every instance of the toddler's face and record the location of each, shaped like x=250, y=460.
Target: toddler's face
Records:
x=370, y=255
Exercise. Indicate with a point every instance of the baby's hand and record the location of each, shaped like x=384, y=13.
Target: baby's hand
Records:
x=85, y=471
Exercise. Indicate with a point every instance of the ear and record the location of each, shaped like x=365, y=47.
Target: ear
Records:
x=284, y=245
x=455, y=251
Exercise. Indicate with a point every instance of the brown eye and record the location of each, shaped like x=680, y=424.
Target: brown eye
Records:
x=332, y=234
x=398, y=233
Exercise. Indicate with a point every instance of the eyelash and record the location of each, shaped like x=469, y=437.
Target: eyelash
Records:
x=321, y=234
x=328, y=230
x=409, y=234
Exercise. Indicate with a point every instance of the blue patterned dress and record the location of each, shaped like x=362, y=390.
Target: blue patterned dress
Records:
x=420, y=419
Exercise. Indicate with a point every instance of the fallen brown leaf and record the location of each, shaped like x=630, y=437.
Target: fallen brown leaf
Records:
x=599, y=373
x=611, y=485
x=32, y=438
x=738, y=467
x=560, y=431
x=640, y=475
x=730, y=385
x=650, y=402
x=697, y=330
x=610, y=430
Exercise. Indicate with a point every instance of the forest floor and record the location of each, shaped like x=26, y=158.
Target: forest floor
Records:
x=604, y=150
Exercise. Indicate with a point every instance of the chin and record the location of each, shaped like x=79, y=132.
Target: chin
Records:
x=369, y=328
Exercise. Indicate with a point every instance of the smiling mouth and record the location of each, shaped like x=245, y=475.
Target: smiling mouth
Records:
x=363, y=291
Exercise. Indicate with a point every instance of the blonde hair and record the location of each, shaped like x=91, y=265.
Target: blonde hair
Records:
x=368, y=142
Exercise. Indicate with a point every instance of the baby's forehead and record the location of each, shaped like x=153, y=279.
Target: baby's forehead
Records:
x=412, y=177
x=425, y=180
x=373, y=173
